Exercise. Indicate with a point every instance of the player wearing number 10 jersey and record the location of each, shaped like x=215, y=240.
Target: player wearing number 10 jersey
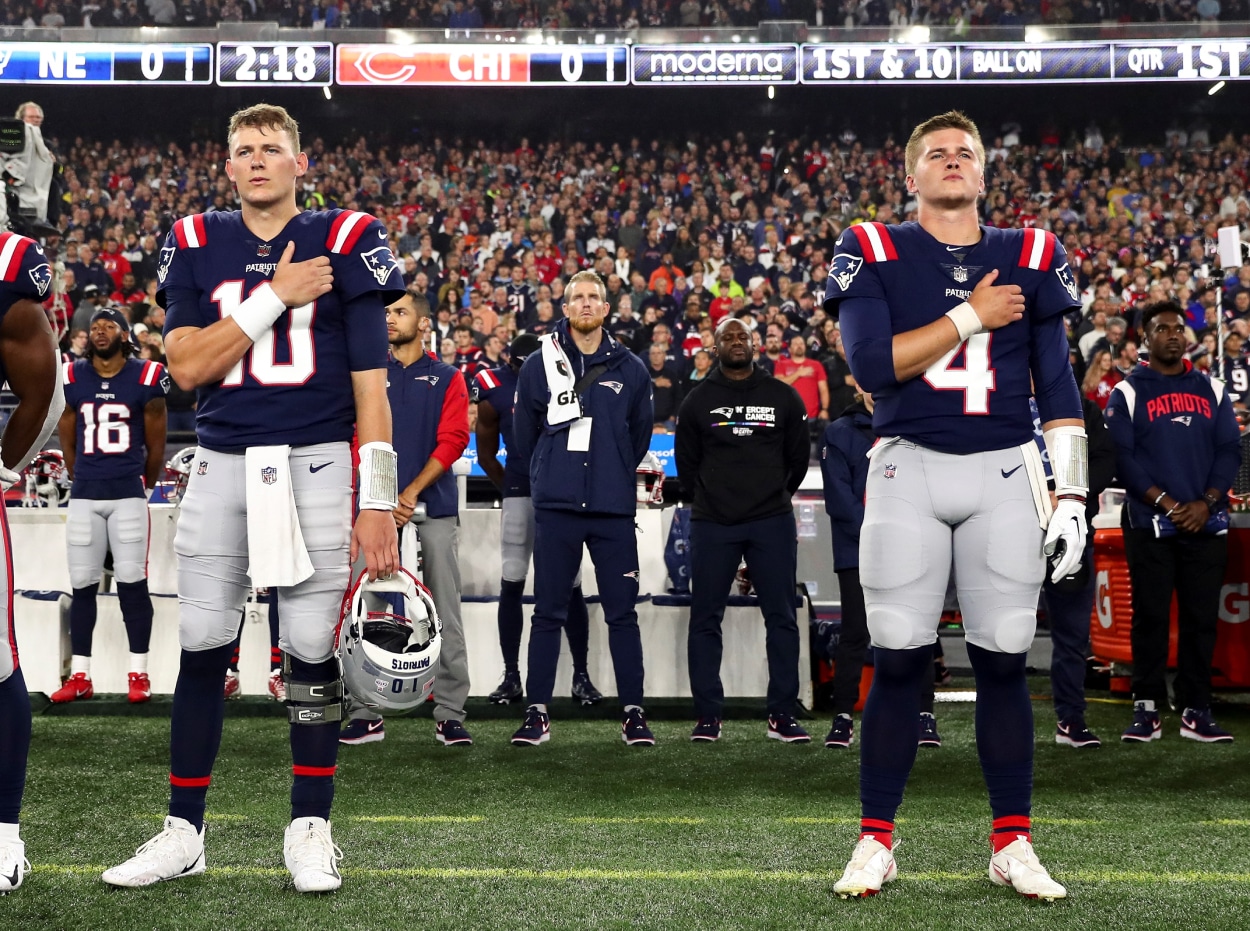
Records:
x=945, y=322
x=113, y=436
x=277, y=317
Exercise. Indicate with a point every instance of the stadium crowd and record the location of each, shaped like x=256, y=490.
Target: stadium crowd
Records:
x=686, y=234
x=607, y=14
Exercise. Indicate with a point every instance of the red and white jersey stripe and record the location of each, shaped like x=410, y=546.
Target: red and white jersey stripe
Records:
x=1038, y=249
x=191, y=232
x=12, y=248
x=346, y=229
x=151, y=373
x=487, y=379
x=68, y=369
x=874, y=242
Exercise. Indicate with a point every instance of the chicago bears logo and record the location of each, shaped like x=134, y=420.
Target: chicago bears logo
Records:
x=167, y=259
x=1068, y=282
x=380, y=263
x=844, y=268
x=41, y=275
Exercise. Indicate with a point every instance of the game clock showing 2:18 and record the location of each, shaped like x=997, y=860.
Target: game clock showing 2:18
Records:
x=304, y=64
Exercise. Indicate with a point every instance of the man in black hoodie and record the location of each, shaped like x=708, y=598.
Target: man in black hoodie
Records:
x=742, y=450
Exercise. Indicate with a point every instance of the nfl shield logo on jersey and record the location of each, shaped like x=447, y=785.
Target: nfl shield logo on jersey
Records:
x=844, y=268
x=263, y=250
x=889, y=470
x=959, y=273
x=269, y=475
x=380, y=263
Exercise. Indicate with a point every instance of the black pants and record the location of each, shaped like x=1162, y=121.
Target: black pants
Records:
x=770, y=546
x=1193, y=566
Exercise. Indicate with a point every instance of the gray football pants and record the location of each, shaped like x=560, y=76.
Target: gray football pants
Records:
x=440, y=551
x=924, y=509
x=95, y=526
x=211, y=544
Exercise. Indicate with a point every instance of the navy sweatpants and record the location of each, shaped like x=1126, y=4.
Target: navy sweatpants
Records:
x=770, y=546
x=1069, y=612
x=558, y=540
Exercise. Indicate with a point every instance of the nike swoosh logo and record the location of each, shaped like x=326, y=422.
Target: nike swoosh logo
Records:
x=15, y=878
x=955, y=248
x=381, y=234
x=1007, y=474
x=318, y=468
x=374, y=725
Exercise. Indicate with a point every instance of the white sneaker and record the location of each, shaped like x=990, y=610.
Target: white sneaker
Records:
x=1016, y=865
x=871, y=866
x=13, y=865
x=176, y=852
x=277, y=686
x=312, y=856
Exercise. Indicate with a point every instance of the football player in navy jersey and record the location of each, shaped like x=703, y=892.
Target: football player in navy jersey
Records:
x=943, y=321
x=277, y=318
x=29, y=363
x=113, y=436
x=495, y=393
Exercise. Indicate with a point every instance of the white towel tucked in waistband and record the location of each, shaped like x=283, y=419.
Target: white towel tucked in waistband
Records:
x=275, y=544
x=410, y=549
x=561, y=382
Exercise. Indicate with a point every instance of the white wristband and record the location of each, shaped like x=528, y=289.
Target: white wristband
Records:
x=966, y=320
x=256, y=315
x=379, y=482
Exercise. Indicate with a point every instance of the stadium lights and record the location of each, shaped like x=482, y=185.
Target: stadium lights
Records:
x=1034, y=34
x=1215, y=88
x=772, y=91
x=326, y=90
x=916, y=35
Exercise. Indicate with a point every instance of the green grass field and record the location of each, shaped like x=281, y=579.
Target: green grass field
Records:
x=587, y=833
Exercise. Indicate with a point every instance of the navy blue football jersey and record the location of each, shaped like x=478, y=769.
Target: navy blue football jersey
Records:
x=884, y=280
x=498, y=385
x=1237, y=377
x=294, y=385
x=24, y=273
x=521, y=303
x=110, y=441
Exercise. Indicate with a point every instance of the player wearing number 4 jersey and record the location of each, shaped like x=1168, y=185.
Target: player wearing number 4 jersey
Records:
x=277, y=317
x=113, y=435
x=944, y=321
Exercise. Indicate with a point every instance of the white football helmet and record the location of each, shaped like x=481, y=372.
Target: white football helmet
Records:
x=650, y=481
x=47, y=480
x=388, y=642
x=177, y=473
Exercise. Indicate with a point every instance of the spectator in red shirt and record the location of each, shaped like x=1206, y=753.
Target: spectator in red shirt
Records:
x=129, y=291
x=1100, y=378
x=808, y=378
x=115, y=264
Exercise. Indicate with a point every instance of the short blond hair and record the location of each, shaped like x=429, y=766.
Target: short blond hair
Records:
x=264, y=116
x=951, y=119
x=593, y=277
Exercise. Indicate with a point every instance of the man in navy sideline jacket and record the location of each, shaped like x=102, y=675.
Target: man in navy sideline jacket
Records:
x=430, y=410
x=742, y=448
x=583, y=423
x=1177, y=449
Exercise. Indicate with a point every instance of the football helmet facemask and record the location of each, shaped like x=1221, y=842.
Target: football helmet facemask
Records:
x=650, y=481
x=47, y=481
x=388, y=642
x=177, y=472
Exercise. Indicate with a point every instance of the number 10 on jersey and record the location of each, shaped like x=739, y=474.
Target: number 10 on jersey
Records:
x=262, y=358
x=975, y=379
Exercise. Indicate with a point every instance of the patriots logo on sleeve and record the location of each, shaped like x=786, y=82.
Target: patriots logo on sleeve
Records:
x=380, y=263
x=41, y=275
x=167, y=259
x=844, y=268
x=1068, y=281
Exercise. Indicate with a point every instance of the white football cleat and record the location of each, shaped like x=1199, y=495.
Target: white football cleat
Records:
x=312, y=856
x=13, y=865
x=1016, y=865
x=176, y=852
x=871, y=866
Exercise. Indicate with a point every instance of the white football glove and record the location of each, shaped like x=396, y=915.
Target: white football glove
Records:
x=1065, y=537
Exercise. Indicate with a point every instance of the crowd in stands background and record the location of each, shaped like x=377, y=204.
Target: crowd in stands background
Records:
x=607, y=14
x=685, y=233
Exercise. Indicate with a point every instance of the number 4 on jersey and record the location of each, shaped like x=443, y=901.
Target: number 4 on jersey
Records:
x=975, y=378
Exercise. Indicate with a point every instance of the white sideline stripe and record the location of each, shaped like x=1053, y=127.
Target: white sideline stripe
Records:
x=417, y=819
x=955, y=696
x=1134, y=877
